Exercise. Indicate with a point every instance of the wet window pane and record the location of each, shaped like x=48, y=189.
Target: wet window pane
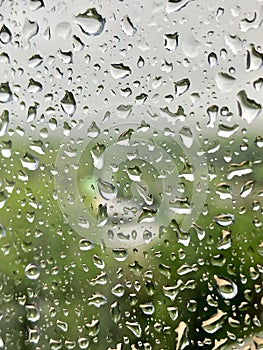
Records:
x=131, y=174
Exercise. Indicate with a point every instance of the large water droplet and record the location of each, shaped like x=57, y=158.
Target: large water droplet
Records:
x=226, y=288
x=107, y=190
x=91, y=22
x=215, y=322
x=68, y=103
x=32, y=271
x=4, y=121
x=128, y=27
x=5, y=93
x=120, y=71
x=135, y=328
x=5, y=35
x=29, y=161
x=97, y=300
x=248, y=108
x=224, y=219
x=171, y=41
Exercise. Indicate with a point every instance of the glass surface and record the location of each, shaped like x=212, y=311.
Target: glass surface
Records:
x=131, y=174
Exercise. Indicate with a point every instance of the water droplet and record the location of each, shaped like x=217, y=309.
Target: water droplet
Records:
x=32, y=312
x=98, y=262
x=106, y=190
x=93, y=131
x=37, y=146
x=171, y=292
x=32, y=271
x=35, y=61
x=181, y=206
x=4, y=121
x=29, y=161
x=225, y=82
x=176, y=6
x=247, y=188
x=224, y=219
x=259, y=141
x=191, y=46
x=181, y=86
x=97, y=300
x=215, y=322
x=254, y=59
x=68, y=103
x=120, y=254
x=125, y=137
x=97, y=154
x=5, y=93
x=224, y=191
x=240, y=169
x=63, y=30
x=135, y=328
x=93, y=327
x=85, y=244
x=248, y=108
x=118, y=290
x=128, y=27
x=171, y=41
x=173, y=312
x=34, y=86
x=134, y=173
x=120, y=71
x=30, y=29
x=5, y=35
x=226, y=288
x=212, y=59
x=35, y=5
x=3, y=199
x=182, y=340
x=225, y=240
x=2, y=231
x=115, y=312
x=62, y=325
x=91, y=22
x=147, y=308
x=226, y=130
x=258, y=84
x=186, y=136
x=147, y=215
x=102, y=215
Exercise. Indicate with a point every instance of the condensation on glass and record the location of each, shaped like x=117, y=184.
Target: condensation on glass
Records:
x=131, y=174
